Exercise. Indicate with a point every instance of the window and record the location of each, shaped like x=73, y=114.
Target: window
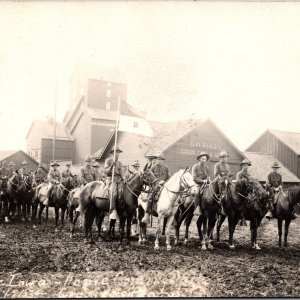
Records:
x=107, y=107
x=135, y=124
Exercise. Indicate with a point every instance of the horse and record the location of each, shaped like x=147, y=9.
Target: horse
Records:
x=59, y=199
x=283, y=210
x=25, y=195
x=13, y=192
x=254, y=206
x=4, y=196
x=95, y=203
x=73, y=203
x=181, y=183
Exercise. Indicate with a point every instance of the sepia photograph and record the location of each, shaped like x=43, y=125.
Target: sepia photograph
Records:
x=149, y=149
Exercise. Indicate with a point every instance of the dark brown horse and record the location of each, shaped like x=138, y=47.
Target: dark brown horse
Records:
x=248, y=196
x=13, y=193
x=26, y=195
x=95, y=203
x=283, y=210
x=58, y=199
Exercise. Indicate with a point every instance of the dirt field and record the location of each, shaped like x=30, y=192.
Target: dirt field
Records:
x=42, y=263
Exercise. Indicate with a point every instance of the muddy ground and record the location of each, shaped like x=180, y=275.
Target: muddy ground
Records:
x=43, y=263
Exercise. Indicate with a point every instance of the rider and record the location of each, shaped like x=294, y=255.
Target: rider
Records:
x=54, y=178
x=243, y=174
x=162, y=174
x=67, y=172
x=11, y=170
x=274, y=185
x=99, y=174
x=24, y=170
x=118, y=178
x=131, y=173
x=40, y=175
x=222, y=169
x=200, y=173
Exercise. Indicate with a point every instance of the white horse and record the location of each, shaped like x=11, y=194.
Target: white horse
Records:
x=180, y=184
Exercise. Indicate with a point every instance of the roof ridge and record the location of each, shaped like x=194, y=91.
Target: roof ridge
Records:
x=285, y=131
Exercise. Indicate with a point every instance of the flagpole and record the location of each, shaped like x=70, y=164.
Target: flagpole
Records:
x=54, y=118
x=115, y=145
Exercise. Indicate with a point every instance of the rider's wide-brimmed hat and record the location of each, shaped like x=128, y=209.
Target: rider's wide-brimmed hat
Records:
x=11, y=163
x=55, y=163
x=136, y=164
x=245, y=162
x=275, y=165
x=68, y=164
x=88, y=158
x=4, y=163
x=24, y=162
x=202, y=153
x=117, y=149
x=161, y=157
x=96, y=165
x=224, y=153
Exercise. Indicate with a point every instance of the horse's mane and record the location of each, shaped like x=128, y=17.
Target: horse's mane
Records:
x=294, y=191
x=175, y=176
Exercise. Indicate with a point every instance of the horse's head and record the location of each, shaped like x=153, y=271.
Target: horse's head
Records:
x=187, y=182
x=257, y=188
x=74, y=181
x=148, y=177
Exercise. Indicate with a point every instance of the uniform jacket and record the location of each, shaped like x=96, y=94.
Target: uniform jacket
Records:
x=99, y=175
x=66, y=174
x=108, y=168
x=221, y=167
x=87, y=174
x=200, y=172
x=161, y=172
x=242, y=174
x=53, y=175
x=274, y=179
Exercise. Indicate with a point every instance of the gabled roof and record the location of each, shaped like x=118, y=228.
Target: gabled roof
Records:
x=291, y=139
x=261, y=167
x=166, y=134
x=44, y=129
x=4, y=155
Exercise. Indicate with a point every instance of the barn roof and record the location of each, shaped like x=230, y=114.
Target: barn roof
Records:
x=6, y=154
x=166, y=134
x=291, y=139
x=44, y=129
x=261, y=167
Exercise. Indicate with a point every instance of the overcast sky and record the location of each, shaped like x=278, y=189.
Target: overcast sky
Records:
x=236, y=63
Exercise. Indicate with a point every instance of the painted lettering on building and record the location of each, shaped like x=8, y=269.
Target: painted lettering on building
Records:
x=206, y=145
x=194, y=152
x=97, y=123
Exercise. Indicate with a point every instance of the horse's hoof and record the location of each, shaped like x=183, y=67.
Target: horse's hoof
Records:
x=34, y=226
x=185, y=242
x=120, y=248
x=56, y=230
x=256, y=247
x=71, y=236
x=140, y=242
x=156, y=247
x=231, y=247
x=203, y=247
x=6, y=220
x=85, y=241
x=22, y=220
x=176, y=242
x=210, y=247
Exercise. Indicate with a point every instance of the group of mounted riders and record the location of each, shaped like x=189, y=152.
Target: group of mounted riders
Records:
x=114, y=183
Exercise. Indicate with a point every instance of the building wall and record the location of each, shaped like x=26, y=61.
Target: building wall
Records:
x=20, y=156
x=205, y=138
x=101, y=131
x=98, y=94
x=64, y=150
x=82, y=135
x=33, y=146
x=268, y=143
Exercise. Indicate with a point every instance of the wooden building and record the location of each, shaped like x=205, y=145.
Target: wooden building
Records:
x=40, y=142
x=93, y=108
x=180, y=142
x=17, y=156
x=261, y=167
x=283, y=145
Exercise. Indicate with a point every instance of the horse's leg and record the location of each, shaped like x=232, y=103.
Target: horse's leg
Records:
x=111, y=232
x=41, y=208
x=211, y=225
x=121, y=229
x=70, y=213
x=205, y=236
x=199, y=227
x=164, y=226
x=85, y=225
x=128, y=227
x=177, y=223
x=63, y=211
x=254, y=223
x=100, y=218
x=279, y=223
x=158, y=231
x=140, y=215
x=286, y=231
x=56, y=217
x=188, y=221
x=221, y=219
x=168, y=231
x=252, y=233
x=47, y=213
x=232, y=221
